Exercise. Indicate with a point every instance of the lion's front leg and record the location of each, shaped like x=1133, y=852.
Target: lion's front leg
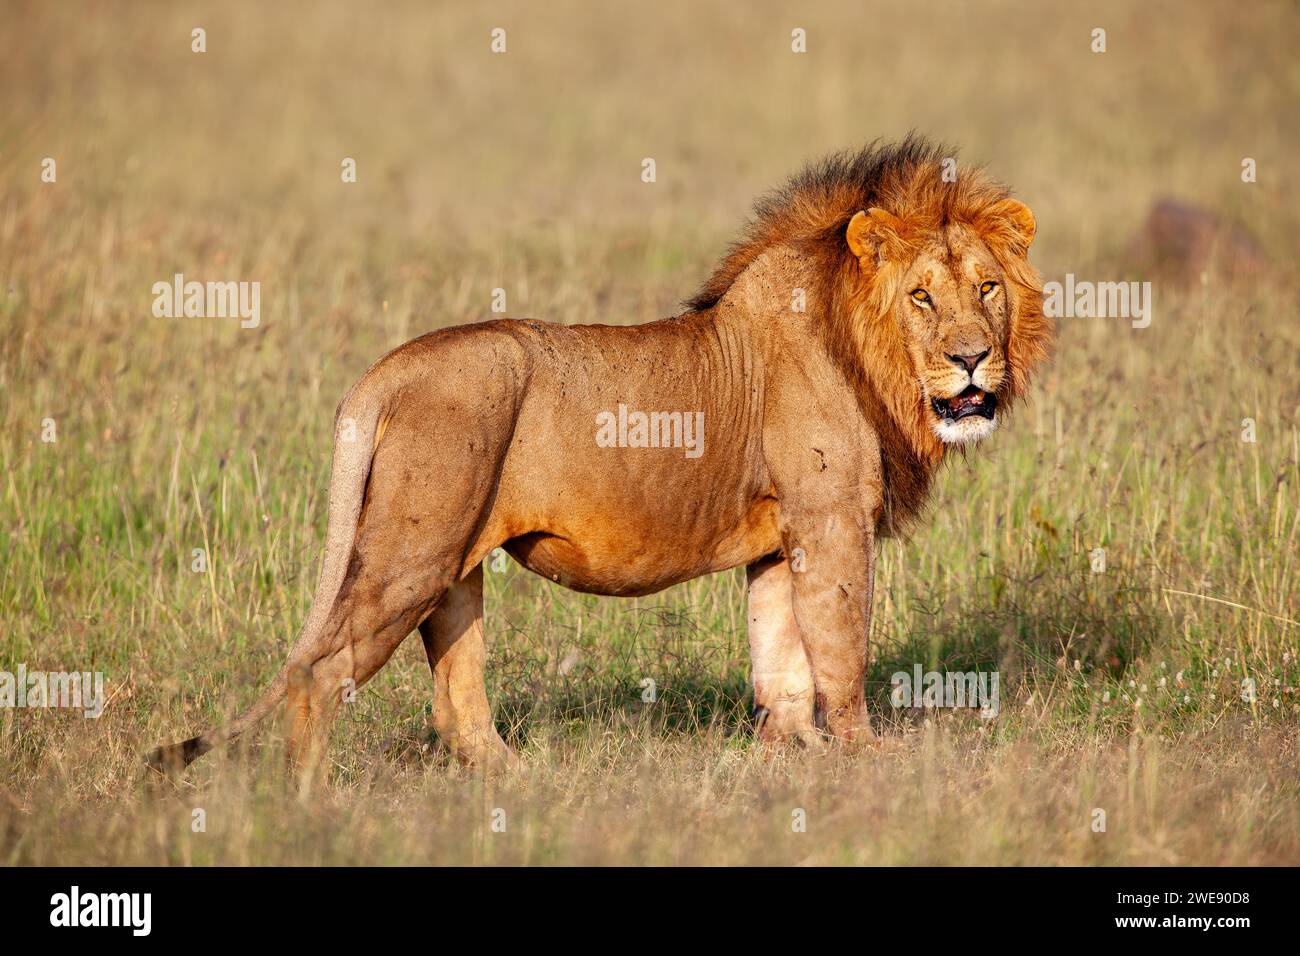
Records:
x=783, y=680
x=832, y=604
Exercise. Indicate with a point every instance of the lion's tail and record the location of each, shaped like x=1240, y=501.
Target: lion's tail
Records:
x=357, y=429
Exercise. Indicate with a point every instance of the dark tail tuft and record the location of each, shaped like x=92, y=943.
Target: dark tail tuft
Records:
x=176, y=757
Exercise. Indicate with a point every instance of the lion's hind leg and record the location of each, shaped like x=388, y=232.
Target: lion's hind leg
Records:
x=454, y=644
x=426, y=514
x=381, y=605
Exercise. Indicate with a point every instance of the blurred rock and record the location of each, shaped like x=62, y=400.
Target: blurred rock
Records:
x=1182, y=243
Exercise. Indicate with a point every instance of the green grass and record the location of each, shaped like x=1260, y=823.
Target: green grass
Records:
x=1120, y=690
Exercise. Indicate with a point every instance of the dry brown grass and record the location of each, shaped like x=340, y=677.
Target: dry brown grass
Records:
x=522, y=172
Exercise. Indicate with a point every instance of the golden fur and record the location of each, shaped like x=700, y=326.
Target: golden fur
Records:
x=819, y=431
x=811, y=214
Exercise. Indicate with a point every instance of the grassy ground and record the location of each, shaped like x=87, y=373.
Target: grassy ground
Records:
x=1121, y=691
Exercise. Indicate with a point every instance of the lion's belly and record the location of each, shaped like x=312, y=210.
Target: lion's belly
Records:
x=618, y=555
x=634, y=458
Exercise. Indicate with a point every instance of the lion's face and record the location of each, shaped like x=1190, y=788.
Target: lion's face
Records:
x=952, y=308
x=949, y=298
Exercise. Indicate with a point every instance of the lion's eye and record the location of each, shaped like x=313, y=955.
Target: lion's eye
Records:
x=986, y=289
x=921, y=296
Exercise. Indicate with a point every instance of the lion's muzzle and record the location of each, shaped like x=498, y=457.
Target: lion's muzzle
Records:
x=970, y=401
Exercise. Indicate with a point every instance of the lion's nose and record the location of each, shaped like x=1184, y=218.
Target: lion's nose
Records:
x=968, y=362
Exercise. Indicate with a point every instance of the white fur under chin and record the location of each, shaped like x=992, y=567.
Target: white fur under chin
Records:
x=966, y=430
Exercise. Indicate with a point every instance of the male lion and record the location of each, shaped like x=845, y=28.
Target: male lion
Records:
x=871, y=316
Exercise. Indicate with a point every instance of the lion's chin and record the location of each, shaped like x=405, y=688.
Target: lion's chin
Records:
x=964, y=431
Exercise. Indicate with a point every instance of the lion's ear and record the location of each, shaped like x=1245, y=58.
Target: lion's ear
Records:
x=874, y=233
x=858, y=235
x=1010, y=223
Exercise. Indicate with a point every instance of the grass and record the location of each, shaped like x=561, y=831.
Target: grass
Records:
x=1121, y=690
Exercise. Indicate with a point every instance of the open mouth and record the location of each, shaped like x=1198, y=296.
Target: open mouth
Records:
x=971, y=401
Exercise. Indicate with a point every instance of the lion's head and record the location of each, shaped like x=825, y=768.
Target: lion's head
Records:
x=956, y=298
x=919, y=271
